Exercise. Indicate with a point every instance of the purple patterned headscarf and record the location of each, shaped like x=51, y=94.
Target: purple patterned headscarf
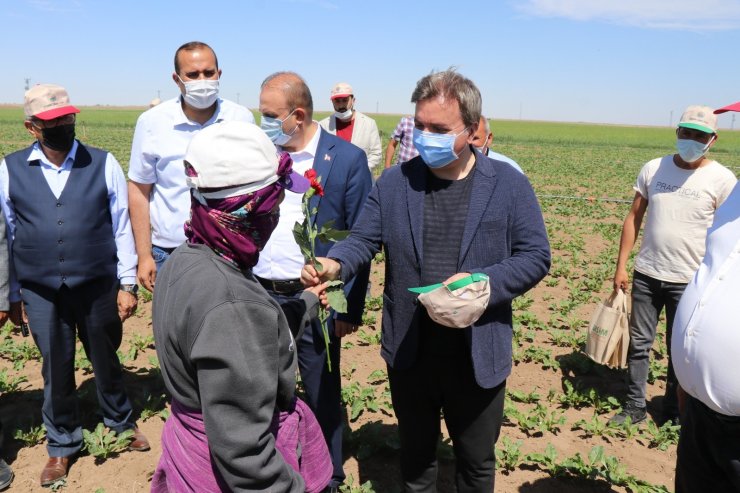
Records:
x=237, y=228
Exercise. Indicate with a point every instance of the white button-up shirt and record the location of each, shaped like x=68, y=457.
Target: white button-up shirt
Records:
x=706, y=331
x=281, y=259
x=56, y=177
x=161, y=138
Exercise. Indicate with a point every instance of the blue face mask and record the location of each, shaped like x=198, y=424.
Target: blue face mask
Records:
x=273, y=127
x=691, y=150
x=437, y=150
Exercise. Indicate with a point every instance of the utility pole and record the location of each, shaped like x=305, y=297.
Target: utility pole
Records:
x=28, y=82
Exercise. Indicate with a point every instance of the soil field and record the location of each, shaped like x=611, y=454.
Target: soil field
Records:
x=554, y=438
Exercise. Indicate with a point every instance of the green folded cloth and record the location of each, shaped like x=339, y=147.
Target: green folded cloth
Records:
x=460, y=283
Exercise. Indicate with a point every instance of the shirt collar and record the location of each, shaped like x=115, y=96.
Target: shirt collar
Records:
x=310, y=150
x=38, y=154
x=182, y=119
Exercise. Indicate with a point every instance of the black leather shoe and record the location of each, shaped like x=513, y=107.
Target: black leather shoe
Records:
x=6, y=475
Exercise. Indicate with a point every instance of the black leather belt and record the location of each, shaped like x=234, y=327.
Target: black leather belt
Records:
x=289, y=286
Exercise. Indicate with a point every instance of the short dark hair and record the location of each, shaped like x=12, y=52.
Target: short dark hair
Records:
x=192, y=46
x=450, y=84
x=296, y=91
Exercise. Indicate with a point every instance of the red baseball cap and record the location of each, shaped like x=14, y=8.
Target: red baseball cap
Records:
x=341, y=90
x=729, y=107
x=47, y=101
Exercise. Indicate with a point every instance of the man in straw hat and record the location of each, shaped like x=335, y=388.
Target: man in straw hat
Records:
x=75, y=267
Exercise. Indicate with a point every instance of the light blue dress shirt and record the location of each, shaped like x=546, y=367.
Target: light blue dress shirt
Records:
x=506, y=159
x=56, y=178
x=161, y=138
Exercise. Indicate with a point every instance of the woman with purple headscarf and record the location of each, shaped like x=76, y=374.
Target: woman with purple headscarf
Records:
x=225, y=347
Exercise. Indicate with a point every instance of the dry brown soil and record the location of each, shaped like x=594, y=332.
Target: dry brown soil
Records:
x=130, y=471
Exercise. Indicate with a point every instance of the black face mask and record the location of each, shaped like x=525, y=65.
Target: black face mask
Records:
x=59, y=138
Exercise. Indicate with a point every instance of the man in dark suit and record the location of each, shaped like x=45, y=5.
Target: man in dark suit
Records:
x=444, y=215
x=287, y=118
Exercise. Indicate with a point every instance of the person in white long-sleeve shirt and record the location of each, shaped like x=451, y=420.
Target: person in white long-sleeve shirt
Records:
x=705, y=346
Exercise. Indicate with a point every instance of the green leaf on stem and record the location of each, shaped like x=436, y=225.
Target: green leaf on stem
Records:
x=299, y=234
x=336, y=298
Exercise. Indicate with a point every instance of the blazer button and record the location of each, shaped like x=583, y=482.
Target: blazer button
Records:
x=61, y=259
x=60, y=222
x=64, y=278
x=59, y=204
x=60, y=241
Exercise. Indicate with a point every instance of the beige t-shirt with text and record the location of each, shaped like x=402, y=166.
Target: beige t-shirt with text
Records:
x=681, y=206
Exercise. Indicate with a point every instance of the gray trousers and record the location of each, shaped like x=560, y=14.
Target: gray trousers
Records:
x=649, y=297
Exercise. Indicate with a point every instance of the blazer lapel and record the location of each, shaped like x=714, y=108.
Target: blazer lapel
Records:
x=415, y=191
x=484, y=183
x=323, y=161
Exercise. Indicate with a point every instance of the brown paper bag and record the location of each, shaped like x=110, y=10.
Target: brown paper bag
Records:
x=609, y=332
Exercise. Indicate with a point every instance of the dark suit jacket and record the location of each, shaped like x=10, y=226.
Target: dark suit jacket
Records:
x=346, y=180
x=504, y=237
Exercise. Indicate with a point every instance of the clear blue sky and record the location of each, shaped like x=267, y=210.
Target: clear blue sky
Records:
x=612, y=61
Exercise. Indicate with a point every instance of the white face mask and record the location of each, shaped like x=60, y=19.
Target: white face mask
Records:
x=201, y=93
x=691, y=150
x=344, y=115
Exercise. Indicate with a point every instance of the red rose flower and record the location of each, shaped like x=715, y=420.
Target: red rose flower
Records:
x=311, y=175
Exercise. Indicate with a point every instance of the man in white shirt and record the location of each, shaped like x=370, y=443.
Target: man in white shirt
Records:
x=286, y=106
x=706, y=344
x=351, y=125
x=680, y=194
x=158, y=196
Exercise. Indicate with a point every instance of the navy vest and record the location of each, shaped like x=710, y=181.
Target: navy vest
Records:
x=67, y=240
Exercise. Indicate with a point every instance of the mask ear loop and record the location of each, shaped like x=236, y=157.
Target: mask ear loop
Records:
x=283, y=121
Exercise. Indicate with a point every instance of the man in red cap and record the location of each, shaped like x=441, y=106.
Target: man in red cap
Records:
x=349, y=124
x=705, y=347
x=73, y=256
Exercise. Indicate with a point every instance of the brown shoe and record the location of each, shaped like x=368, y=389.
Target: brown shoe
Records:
x=54, y=470
x=139, y=443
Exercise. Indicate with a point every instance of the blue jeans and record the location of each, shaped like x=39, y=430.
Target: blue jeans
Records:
x=160, y=255
x=649, y=296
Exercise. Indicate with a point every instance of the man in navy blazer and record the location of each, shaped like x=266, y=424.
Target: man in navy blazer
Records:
x=448, y=213
x=287, y=118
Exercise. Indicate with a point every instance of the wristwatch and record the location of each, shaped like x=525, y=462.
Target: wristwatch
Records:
x=130, y=288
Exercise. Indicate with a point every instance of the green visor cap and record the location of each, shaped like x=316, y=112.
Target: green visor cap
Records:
x=460, y=283
x=696, y=126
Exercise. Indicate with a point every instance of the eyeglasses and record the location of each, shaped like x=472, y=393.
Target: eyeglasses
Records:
x=62, y=120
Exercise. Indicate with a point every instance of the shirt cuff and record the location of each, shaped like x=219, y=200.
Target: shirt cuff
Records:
x=128, y=280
